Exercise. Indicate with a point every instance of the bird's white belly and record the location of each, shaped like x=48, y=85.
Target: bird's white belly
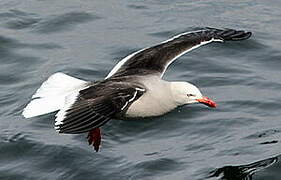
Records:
x=156, y=101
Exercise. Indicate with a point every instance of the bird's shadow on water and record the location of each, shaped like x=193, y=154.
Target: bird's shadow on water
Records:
x=264, y=169
x=243, y=172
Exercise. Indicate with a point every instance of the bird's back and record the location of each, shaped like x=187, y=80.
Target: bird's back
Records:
x=157, y=100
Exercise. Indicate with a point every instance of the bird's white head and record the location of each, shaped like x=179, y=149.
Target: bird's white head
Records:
x=187, y=93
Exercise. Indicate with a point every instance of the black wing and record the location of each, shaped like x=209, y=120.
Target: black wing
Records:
x=157, y=58
x=94, y=107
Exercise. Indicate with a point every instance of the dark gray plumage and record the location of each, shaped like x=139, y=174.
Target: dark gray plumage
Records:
x=155, y=59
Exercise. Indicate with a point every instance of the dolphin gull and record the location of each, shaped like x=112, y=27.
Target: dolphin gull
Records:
x=133, y=88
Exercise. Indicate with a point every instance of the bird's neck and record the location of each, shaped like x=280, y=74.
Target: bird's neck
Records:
x=178, y=93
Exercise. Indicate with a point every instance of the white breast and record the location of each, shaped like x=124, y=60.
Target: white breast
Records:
x=156, y=101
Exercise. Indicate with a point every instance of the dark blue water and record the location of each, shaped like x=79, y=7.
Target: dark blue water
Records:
x=238, y=140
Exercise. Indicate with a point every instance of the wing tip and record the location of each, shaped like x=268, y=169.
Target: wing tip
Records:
x=228, y=34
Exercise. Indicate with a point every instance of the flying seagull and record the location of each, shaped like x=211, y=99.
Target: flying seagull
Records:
x=133, y=88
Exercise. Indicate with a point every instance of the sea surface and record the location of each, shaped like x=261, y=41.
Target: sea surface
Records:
x=239, y=140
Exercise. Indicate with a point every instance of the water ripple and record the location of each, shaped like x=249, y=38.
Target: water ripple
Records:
x=57, y=23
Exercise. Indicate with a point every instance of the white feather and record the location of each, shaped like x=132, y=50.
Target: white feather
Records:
x=42, y=106
x=68, y=102
x=52, y=94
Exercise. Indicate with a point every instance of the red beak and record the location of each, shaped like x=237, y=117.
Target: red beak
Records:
x=207, y=101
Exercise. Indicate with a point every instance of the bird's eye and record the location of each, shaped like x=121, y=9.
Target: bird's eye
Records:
x=190, y=95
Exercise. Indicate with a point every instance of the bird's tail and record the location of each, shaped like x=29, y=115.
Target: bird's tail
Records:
x=51, y=96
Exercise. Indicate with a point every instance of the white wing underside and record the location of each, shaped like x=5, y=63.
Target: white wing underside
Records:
x=56, y=93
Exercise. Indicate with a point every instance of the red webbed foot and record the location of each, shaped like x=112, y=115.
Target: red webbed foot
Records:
x=94, y=138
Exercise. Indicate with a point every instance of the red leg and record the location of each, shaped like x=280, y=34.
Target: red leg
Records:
x=94, y=137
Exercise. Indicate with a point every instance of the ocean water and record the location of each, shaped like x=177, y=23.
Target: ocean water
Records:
x=239, y=140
